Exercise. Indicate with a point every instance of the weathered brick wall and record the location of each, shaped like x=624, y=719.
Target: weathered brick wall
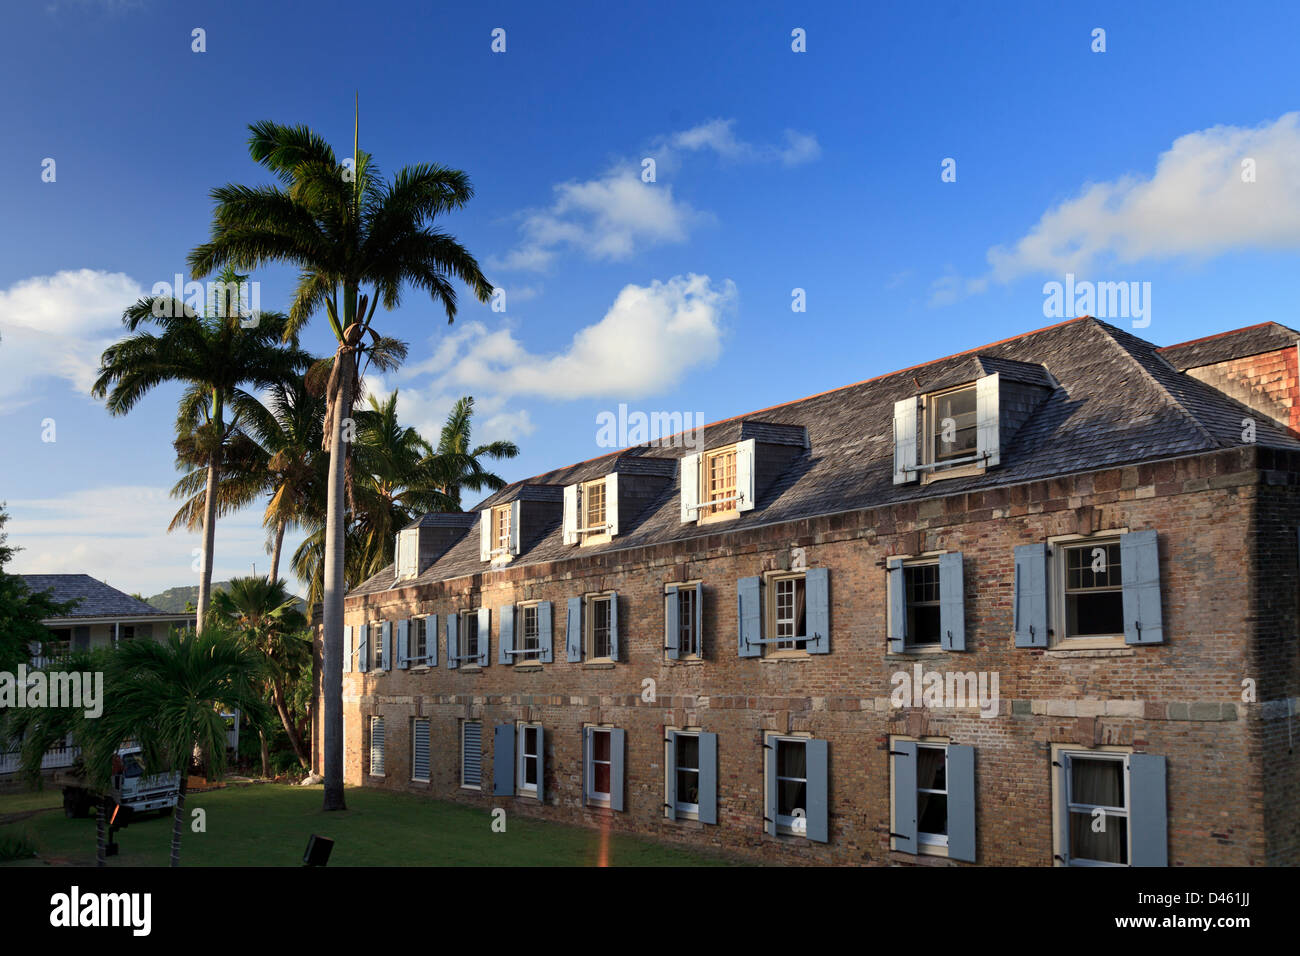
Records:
x=1268, y=383
x=1181, y=699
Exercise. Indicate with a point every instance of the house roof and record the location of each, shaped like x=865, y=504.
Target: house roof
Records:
x=1110, y=398
x=1226, y=346
x=94, y=598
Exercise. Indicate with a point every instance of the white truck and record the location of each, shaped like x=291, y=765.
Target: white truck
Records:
x=132, y=788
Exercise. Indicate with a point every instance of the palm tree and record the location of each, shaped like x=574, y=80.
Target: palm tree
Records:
x=459, y=467
x=170, y=696
x=213, y=356
x=344, y=229
x=267, y=618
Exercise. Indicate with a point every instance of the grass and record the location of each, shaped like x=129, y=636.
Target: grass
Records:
x=23, y=801
x=268, y=825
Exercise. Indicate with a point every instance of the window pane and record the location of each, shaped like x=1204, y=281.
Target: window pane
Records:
x=1096, y=783
x=601, y=773
x=792, y=795
x=932, y=813
x=952, y=424
x=600, y=745
x=1110, y=846
x=688, y=752
x=931, y=769
x=921, y=590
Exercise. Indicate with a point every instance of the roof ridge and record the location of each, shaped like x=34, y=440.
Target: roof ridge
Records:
x=1112, y=333
x=1219, y=335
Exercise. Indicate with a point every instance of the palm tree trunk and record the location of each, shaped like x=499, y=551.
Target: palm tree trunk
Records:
x=277, y=695
x=275, y=553
x=266, y=755
x=209, y=537
x=335, y=585
x=178, y=818
x=100, y=828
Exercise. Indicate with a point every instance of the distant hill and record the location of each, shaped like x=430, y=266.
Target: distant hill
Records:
x=173, y=599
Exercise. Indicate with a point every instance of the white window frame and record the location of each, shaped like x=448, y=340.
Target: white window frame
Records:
x=724, y=506
x=1056, y=575
x=688, y=811
x=924, y=839
x=771, y=602
x=498, y=527
x=1062, y=805
x=785, y=823
x=589, y=533
x=593, y=796
x=589, y=626
x=929, y=437
x=522, y=655
x=521, y=756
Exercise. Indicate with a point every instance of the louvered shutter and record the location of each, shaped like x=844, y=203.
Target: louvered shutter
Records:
x=896, y=579
x=903, y=754
x=420, y=749
x=472, y=753
x=571, y=514
x=818, y=615
x=986, y=420
x=690, y=482
x=1031, y=595
x=708, y=778
x=485, y=534
x=672, y=625
x=749, y=616
x=544, y=632
x=961, y=802
x=503, y=761
x=506, y=634
x=905, y=441
x=573, y=630
x=1140, y=574
x=745, y=477
x=376, y=746
x=952, y=606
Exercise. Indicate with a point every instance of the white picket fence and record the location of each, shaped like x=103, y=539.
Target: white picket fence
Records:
x=55, y=759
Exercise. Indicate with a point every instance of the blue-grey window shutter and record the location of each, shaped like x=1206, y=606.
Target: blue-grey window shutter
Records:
x=1148, y=826
x=386, y=644
x=903, y=754
x=896, y=579
x=484, y=631
x=403, y=644
x=544, y=631
x=573, y=630
x=363, y=649
x=952, y=606
x=541, y=764
x=672, y=625
x=749, y=615
x=347, y=650
x=617, y=743
x=613, y=626
x=506, y=634
x=817, y=587
x=453, y=641
x=586, y=761
x=670, y=768
x=708, y=778
x=1031, y=595
x=431, y=640
x=961, y=802
x=699, y=618
x=818, y=809
x=769, y=775
x=503, y=761
x=1140, y=570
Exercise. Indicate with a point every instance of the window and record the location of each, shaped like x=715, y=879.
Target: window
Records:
x=1097, y=809
x=686, y=766
x=932, y=794
x=59, y=643
x=593, y=508
x=530, y=645
x=469, y=650
x=927, y=610
x=682, y=618
x=420, y=749
x=471, y=754
x=921, y=584
x=719, y=482
x=377, y=645
x=501, y=530
x=1092, y=588
x=600, y=627
x=690, y=775
x=419, y=639
x=795, y=777
x=932, y=798
x=125, y=632
x=408, y=550
x=789, y=613
x=602, y=764
x=529, y=756
x=791, y=786
x=376, y=746
x=950, y=425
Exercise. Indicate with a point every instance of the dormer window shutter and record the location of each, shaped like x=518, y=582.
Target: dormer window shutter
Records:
x=570, y=514
x=905, y=441
x=986, y=419
x=611, y=502
x=514, y=527
x=745, y=484
x=485, y=534
x=690, y=481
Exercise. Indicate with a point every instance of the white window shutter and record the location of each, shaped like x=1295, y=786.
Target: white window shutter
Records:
x=690, y=466
x=570, y=514
x=905, y=441
x=514, y=526
x=611, y=502
x=745, y=474
x=986, y=418
x=485, y=534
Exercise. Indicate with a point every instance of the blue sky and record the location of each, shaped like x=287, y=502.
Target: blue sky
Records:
x=775, y=170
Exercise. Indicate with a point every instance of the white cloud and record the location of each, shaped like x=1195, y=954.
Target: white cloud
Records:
x=1194, y=206
x=119, y=534
x=57, y=327
x=616, y=214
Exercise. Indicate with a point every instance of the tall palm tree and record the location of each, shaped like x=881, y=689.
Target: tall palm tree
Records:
x=266, y=617
x=170, y=696
x=214, y=356
x=345, y=230
x=459, y=466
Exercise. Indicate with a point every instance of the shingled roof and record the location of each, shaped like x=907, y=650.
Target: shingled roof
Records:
x=94, y=598
x=1226, y=346
x=1114, y=399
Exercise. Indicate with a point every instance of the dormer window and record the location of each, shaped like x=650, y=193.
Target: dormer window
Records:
x=591, y=510
x=947, y=433
x=408, y=554
x=499, y=532
x=718, y=483
x=593, y=507
x=950, y=425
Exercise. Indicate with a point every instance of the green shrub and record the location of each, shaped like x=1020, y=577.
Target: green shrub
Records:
x=15, y=846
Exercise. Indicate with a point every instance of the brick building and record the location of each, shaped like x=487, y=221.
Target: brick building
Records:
x=1032, y=604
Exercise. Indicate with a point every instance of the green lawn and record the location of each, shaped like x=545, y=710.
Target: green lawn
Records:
x=268, y=825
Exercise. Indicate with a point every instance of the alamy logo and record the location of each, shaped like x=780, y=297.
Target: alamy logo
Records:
x=662, y=429
x=76, y=909
x=73, y=690
x=1103, y=300
x=923, y=688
